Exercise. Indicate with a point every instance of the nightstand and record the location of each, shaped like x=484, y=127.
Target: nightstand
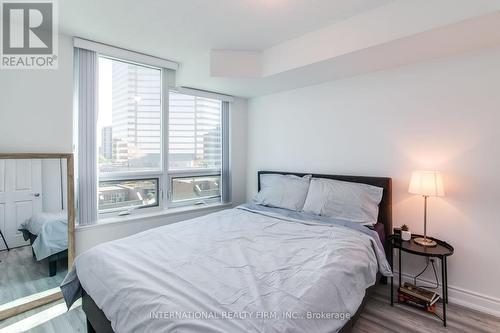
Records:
x=441, y=251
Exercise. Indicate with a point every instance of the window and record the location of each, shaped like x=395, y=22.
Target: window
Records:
x=198, y=188
x=140, y=144
x=129, y=135
x=129, y=194
x=195, y=148
x=129, y=117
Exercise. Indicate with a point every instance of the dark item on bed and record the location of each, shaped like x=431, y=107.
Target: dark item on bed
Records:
x=98, y=323
x=52, y=259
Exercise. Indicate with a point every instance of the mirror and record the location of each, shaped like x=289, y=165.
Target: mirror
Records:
x=36, y=229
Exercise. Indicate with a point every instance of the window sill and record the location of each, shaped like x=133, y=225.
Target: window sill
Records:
x=160, y=213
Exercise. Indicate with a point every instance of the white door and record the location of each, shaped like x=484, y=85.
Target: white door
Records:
x=20, y=197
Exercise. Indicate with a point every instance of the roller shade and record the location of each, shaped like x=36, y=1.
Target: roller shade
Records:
x=195, y=132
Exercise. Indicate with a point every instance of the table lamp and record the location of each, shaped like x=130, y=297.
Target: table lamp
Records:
x=427, y=184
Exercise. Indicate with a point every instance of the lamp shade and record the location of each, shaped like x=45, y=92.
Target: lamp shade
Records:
x=428, y=183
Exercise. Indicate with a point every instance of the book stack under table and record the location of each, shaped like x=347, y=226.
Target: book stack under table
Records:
x=418, y=297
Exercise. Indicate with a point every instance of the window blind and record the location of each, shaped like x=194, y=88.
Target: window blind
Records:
x=86, y=109
x=226, y=166
x=195, y=132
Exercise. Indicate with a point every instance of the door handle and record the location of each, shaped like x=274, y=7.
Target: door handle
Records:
x=36, y=195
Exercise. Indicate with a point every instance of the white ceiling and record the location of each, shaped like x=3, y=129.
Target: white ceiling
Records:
x=175, y=28
x=187, y=30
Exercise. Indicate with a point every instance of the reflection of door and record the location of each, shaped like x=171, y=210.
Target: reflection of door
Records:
x=20, y=196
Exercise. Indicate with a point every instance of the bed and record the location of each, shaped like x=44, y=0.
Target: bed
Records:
x=48, y=236
x=251, y=268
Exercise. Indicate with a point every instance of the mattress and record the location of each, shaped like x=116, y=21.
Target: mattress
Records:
x=249, y=269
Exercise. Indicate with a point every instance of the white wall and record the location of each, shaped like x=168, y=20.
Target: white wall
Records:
x=440, y=115
x=54, y=185
x=36, y=108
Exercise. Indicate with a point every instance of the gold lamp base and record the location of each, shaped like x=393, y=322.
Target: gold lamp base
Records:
x=424, y=241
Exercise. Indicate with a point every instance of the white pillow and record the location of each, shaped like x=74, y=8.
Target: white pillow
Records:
x=344, y=200
x=283, y=191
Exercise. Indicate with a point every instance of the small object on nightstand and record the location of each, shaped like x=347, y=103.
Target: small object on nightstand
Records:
x=405, y=233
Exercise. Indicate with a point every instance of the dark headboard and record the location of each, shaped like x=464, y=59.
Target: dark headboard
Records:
x=385, y=207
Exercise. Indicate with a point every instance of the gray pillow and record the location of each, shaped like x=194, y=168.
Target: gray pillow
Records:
x=283, y=191
x=344, y=200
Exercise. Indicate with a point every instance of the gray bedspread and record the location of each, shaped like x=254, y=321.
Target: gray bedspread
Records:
x=250, y=269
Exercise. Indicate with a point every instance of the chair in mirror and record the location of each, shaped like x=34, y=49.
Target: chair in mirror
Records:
x=36, y=224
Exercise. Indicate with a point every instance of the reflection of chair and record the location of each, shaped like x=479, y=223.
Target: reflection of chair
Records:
x=5, y=242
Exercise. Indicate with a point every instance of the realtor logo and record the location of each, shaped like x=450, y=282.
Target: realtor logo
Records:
x=29, y=34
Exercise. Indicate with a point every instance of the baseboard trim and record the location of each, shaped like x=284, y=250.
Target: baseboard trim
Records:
x=463, y=297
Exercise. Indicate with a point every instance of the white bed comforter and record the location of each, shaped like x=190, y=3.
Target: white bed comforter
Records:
x=231, y=271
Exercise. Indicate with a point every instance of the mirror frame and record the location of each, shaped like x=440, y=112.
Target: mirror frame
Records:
x=7, y=311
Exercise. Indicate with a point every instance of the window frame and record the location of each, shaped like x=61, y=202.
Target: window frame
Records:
x=159, y=174
x=194, y=172
x=114, y=211
x=189, y=174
